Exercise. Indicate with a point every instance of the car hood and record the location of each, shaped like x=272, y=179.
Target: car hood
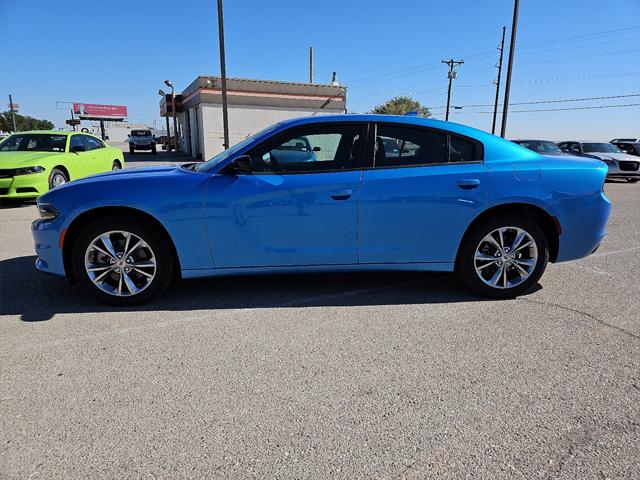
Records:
x=129, y=173
x=614, y=156
x=25, y=159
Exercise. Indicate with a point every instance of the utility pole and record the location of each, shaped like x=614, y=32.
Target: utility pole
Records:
x=497, y=82
x=452, y=74
x=223, y=77
x=507, y=86
x=310, y=64
x=13, y=113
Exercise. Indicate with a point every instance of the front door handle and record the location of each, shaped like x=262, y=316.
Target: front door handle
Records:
x=469, y=183
x=342, y=195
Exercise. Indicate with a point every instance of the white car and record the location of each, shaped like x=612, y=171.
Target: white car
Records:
x=142, y=140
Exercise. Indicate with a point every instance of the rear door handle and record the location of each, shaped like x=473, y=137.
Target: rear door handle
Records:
x=469, y=183
x=342, y=195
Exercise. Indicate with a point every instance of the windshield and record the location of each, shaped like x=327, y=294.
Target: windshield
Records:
x=233, y=150
x=541, y=146
x=600, y=148
x=34, y=142
x=140, y=133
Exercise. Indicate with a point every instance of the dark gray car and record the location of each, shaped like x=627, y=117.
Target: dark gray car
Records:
x=543, y=147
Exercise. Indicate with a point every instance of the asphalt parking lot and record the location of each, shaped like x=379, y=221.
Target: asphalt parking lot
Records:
x=325, y=376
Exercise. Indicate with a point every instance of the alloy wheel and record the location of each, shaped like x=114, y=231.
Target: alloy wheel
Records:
x=506, y=257
x=120, y=263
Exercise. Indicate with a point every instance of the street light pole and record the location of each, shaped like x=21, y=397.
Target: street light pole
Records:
x=169, y=84
x=507, y=86
x=223, y=76
x=166, y=117
x=13, y=113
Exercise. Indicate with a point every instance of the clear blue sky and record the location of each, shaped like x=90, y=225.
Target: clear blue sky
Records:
x=120, y=52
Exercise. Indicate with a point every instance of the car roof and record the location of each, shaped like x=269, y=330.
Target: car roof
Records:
x=399, y=119
x=531, y=140
x=50, y=132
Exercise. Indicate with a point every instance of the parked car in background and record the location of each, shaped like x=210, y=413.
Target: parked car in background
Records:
x=543, y=147
x=459, y=200
x=621, y=165
x=142, y=140
x=32, y=163
x=630, y=148
x=615, y=140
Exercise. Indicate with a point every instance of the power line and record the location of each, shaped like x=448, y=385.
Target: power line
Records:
x=563, y=109
x=551, y=101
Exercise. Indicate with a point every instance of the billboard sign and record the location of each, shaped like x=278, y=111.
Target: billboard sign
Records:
x=99, y=112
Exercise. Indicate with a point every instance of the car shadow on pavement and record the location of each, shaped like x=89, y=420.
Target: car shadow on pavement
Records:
x=7, y=203
x=36, y=297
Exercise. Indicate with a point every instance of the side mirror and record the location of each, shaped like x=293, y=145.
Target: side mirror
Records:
x=316, y=149
x=77, y=148
x=241, y=164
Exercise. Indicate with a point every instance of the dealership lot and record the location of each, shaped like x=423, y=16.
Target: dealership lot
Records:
x=325, y=376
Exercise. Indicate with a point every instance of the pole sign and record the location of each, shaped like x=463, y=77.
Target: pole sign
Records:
x=13, y=107
x=99, y=112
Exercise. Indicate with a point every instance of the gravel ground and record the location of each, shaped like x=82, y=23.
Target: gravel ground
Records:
x=325, y=376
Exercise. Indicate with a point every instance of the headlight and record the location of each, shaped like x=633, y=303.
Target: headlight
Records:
x=27, y=170
x=47, y=211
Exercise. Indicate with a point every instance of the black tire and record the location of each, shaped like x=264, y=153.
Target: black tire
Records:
x=633, y=180
x=56, y=176
x=155, y=239
x=466, y=264
x=116, y=165
x=154, y=149
x=131, y=149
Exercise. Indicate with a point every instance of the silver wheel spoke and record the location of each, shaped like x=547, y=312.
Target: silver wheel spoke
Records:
x=134, y=248
x=482, y=267
x=529, y=262
x=98, y=268
x=489, y=239
x=142, y=272
x=518, y=240
x=101, y=276
x=496, y=276
x=129, y=283
x=524, y=245
x=484, y=257
x=106, y=241
x=521, y=271
x=501, y=237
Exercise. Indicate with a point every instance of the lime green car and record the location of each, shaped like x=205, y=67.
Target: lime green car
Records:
x=32, y=163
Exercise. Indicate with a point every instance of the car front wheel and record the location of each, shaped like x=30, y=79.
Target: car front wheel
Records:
x=57, y=177
x=503, y=257
x=122, y=262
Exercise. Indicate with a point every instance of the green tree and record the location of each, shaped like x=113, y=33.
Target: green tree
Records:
x=23, y=123
x=401, y=105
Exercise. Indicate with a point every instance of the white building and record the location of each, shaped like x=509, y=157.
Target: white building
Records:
x=252, y=106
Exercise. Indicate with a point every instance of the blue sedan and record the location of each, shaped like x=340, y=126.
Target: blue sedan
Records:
x=330, y=193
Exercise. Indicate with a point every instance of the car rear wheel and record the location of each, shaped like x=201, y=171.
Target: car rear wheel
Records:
x=122, y=261
x=503, y=257
x=132, y=149
x=154, y=149
x=57, y=177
